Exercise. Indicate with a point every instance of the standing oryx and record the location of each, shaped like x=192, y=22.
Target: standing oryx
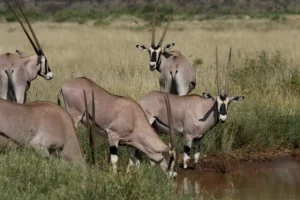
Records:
x=193, y=115
x=17, y=71
x=45, y=126
x=177, y=76
x=120, y=118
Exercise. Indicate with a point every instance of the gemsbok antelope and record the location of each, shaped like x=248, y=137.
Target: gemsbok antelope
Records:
x=17, y=71
x=193, y=115
x=119, y=118
x=45, y=126
x=177, y=76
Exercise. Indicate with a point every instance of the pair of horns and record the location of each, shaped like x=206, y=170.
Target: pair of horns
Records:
x=36, y=46
x=218, y=73
x=165, y=30
x=91, y=128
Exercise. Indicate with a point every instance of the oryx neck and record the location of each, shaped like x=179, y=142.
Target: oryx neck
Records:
x=163, y=58
x=32, y=65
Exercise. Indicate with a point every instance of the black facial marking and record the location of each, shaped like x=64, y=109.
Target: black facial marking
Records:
x=153, y=57
x=223, y=109
x=223, y=98
x=46, y=67
x=113, y=150
x=187, y=150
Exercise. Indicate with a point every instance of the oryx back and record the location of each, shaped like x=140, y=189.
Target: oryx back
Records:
x=44, y=126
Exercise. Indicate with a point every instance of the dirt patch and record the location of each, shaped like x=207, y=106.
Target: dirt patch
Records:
x=240, y=160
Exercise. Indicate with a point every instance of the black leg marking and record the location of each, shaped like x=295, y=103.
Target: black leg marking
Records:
x=187, y=150
x=113, y=150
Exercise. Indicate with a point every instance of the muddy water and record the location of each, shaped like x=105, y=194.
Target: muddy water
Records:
x=278, y=179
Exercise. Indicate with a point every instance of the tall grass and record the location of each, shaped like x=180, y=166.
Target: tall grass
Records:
x=265, y=70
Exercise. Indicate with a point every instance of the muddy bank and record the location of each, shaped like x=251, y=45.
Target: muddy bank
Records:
x=252, y=175
x=238, y=160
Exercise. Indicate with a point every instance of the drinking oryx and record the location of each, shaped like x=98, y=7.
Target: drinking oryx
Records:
x=193, y=115
x=17, y=71
x=45, y=126
x=177, y=76
x=120, y=118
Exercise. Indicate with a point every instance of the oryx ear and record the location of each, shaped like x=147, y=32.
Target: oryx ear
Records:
x=168, y=47
x=236, y=98
x=208, y=96
x=142, y=47
x=22, y=53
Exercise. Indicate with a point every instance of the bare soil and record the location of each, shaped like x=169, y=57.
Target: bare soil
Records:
x=227, y=162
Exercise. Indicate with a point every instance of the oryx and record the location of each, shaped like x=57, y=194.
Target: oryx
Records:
x=119, y=118
x=45, y=126
x=18, y=70
x=177, y=76
x=193, y=115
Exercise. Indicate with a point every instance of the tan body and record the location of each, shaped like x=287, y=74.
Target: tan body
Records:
x=177, y=76
x=44, y=126
x=120, y=118
x=16, y=74
x=193, y=115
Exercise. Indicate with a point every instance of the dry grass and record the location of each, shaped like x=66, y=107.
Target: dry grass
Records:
x=109, y=57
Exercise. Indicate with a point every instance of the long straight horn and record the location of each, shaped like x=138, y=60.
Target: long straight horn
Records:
x=29, y=25
x=166, y=27
x=24, y=29
x=217, y=72
x=153, y=28
x=227, y=75
x=93, y=132
x=170, y=120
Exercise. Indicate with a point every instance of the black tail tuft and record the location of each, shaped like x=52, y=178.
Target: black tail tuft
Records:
x=11, y=95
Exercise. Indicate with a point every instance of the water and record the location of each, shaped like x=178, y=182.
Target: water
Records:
x=278, y=179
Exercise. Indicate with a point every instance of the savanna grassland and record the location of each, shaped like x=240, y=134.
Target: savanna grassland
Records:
x=265, y=69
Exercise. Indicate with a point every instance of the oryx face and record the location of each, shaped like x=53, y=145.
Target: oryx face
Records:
x=45, y=70
x=155, y=53
x=223, y=102
x=156, y=50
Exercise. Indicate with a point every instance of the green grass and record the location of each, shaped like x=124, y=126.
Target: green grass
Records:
x=25, y=174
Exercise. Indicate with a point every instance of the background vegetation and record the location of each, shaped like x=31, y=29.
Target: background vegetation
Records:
x=265, y=70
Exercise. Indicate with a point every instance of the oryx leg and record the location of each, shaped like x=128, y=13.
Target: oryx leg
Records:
x=113, y=149
x=187, y=150
x=197, y=143
x=165, y=83
x=152, y=123
x=181, y=86
x=192, y=86
x=76, y=115
x=36, y=143
x=133, y=160
x=3, y=85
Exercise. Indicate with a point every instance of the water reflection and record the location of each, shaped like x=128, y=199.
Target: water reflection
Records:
x=276, y=180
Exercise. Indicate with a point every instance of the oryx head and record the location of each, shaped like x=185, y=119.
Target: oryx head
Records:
x=42, y=63
x=223, y=100
x=155, y=51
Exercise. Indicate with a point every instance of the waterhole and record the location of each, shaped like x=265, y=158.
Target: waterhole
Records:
x=279, y=179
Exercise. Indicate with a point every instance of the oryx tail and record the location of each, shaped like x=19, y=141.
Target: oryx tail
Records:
x=11, y=95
